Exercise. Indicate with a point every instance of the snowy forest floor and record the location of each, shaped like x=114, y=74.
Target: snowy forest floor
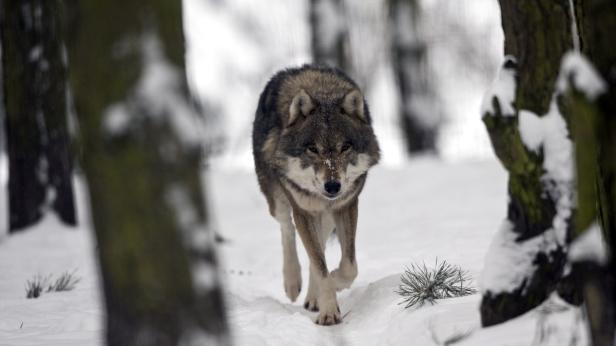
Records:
x=427, y=210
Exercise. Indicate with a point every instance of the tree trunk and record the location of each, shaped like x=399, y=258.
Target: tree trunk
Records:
x=40, y=164
x=540, y=212
x=329, y=34
x=593, y=113
x=418, y=117
x=141, y=158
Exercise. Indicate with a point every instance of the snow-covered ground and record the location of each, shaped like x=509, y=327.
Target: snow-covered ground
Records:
x=425, y=210
x=50, y=248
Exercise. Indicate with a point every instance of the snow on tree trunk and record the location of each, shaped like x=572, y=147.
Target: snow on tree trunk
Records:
x=531, y=139
x=40, y=163
x=418, y=116
x=142, y=147
x=329, y=34
x=590, y=101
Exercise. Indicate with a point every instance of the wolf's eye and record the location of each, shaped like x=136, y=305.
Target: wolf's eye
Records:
x=313, y=149
x=346, y=146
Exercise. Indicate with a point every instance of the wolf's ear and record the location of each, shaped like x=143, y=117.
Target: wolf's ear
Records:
x=353, y=104
x=300, y=106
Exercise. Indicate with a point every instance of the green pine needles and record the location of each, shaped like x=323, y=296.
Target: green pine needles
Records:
x=420, y=284
x=65, y=282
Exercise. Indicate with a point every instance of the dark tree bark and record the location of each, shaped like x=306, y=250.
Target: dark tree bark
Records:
x=593, y=115
x=418, y=118
x=329, y=34
x=537, y=34
x=141, y=159
x=40, y=164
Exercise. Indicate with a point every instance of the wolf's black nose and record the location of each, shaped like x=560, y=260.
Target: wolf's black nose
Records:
x=332, y=187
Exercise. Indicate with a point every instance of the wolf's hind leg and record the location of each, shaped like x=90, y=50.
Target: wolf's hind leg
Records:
x=346, y=225
x=291, y=269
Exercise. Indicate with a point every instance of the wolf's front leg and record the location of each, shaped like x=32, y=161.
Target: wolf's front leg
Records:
x=329, y=313
x=291, y=269
x=311, y=303
x=346, y=226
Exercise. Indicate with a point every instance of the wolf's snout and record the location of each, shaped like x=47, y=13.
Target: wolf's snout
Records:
x=332, y=187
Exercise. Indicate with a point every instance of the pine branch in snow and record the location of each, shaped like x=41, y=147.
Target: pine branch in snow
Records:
x=35, y=287
x=420, y=285
x=66, y=282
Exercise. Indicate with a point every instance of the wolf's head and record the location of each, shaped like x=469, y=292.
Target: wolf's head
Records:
x=327, y=144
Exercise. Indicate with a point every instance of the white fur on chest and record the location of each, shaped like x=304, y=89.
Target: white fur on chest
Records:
x=309, y=203
x=327, y=225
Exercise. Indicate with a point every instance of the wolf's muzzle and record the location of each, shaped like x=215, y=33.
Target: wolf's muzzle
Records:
x=332, y=187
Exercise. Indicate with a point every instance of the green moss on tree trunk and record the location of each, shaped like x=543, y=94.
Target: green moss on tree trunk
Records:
x=596, y=280
x=140, y=172
x=594, y=129
x=537, y=34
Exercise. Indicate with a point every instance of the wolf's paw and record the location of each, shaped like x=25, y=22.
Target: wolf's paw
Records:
x=329, y=317
x=311, y=304
x=344, y=276
x=292, y=281
x=292, y=289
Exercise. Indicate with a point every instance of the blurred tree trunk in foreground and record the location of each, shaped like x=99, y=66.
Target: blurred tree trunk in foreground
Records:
x=418, y=116
x=40, y=164
x=530, y=138
x=593, y=114
x=329, y=34
x=141, y=158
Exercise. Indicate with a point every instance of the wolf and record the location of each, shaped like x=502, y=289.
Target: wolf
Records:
x=313, y=145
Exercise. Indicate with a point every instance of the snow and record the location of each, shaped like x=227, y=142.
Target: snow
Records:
x=511, y=262
x=575, y=35
x=116, y=119
x=412, y=214
x=36, y=52
x=177, y=198
x=159, y=94
x=503, y=89
x=590, y=246
x=531, y=129
x=583, y=75
x=195, y=233
x=61, y=318
x=160, y=89
x=550, y=135
x=382, y=101
x=328, y=163
x=232, y=48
